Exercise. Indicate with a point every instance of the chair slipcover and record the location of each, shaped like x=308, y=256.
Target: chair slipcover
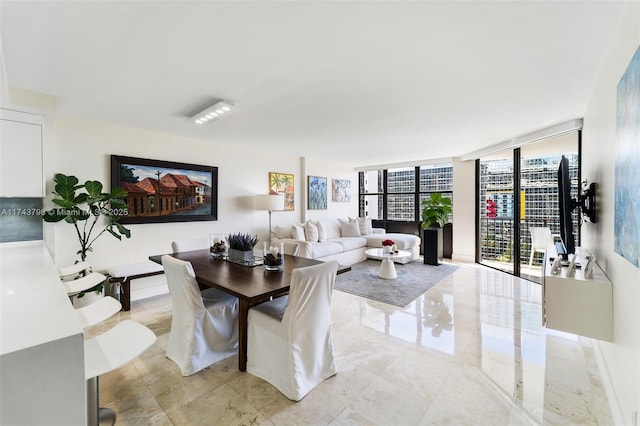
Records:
x=203, y=331
x=190, y=245
x=541, y=238
x=289, y=341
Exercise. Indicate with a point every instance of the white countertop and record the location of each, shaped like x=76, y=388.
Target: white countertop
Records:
x=34, y=308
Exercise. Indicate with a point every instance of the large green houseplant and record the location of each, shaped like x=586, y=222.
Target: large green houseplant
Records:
x=82, y=205
x=435, y=213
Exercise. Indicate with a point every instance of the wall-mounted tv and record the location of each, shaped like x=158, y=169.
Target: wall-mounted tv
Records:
x=586, y=201
x=566, y=204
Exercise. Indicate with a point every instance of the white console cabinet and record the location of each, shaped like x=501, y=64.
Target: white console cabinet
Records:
x=576, y=304
x=20, y=154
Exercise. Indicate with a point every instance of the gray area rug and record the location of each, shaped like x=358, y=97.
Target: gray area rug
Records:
x=413, y=279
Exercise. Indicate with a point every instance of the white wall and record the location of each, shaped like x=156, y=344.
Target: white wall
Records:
x=464, y=210
x=82, y=148
x=622, y=357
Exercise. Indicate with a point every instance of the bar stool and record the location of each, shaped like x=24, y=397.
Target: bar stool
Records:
x=106, y=352
x=98, y=311
x=74, y=271
x=74, y=287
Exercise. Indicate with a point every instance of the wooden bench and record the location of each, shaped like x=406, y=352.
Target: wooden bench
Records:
x=124, y=274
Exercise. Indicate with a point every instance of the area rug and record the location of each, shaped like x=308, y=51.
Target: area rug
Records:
x=413, y=279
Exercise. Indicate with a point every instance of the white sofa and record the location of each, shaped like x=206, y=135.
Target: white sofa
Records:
x=338, y=240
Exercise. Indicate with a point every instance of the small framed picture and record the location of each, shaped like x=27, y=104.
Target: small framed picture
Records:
x=317, y=193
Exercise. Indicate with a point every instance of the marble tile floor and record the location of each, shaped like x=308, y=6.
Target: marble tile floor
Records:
x=470, y=351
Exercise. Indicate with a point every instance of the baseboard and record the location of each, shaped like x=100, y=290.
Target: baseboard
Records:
x=616, y=409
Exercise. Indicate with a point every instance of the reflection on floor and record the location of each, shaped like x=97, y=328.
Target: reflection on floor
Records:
x=469, y=351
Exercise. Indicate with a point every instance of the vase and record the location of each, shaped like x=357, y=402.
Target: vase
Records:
x=240, y=255
x=273, y=263
x=386, y=249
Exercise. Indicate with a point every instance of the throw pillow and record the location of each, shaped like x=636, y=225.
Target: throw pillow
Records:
x=311, y=231
x=322, y=232
x=297, y=231
x=349, y=229
x=364, y=223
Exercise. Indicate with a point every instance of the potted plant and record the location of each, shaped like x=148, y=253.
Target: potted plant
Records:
x=81, y=205
x=435, y=212
x=241, y=247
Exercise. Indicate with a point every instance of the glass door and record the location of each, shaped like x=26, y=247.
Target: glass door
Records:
x=497, y=207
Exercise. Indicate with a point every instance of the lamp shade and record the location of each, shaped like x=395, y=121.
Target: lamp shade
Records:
x=270, y=202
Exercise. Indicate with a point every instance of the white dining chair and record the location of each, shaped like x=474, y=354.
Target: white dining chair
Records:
x=190, y=245
x=289, y=338
x=204, y=326
x=541, y=238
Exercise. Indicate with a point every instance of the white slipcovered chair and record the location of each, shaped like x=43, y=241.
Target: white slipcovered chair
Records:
x=289, y=338
x=204, y=326
x=190, y=245
x=541, y=237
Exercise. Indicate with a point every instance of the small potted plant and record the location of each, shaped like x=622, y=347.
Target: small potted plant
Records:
x=241, y=247
x=435, y=213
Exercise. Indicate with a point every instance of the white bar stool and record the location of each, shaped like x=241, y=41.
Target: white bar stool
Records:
x=74, y=287
x=67, y=272
x=98, y=311
x=105, y=353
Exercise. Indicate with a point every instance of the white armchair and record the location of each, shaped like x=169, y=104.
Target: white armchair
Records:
x=203, y=330
x=289, y=338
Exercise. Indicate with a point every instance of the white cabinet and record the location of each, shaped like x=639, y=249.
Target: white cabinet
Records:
x=576, y=304
x=20, y=154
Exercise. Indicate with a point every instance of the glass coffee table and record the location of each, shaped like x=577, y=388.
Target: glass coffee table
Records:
x=387, y=268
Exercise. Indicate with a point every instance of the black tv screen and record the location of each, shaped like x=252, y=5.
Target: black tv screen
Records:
x=565, y=207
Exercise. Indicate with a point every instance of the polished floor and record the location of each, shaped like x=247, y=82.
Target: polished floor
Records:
x=470, y=351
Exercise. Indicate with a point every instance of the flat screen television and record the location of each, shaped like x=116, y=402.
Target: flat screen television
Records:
x=565, y=206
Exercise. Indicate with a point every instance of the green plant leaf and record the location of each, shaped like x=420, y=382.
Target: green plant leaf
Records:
x=53, y=216
x=93, y=187
x=66, y=186
x=118, y=192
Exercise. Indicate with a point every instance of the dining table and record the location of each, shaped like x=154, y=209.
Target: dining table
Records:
x=251, y=284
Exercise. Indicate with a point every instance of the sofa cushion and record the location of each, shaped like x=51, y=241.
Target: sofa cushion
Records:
x=326, y=248
x=350, y=243
x=297, y=232
x=280, y=231
x=311, y=231
x=403, y=241
x=365, y=225
x=331, y=228
x=349, y=229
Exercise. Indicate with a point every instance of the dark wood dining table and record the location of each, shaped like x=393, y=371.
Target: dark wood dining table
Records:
x=252, y=285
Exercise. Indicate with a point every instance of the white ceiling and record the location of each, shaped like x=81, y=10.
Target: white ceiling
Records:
x=355, y=82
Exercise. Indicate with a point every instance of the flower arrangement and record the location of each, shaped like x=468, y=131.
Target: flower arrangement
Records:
x=243, y=242
x=219, y=247
x=387, y=243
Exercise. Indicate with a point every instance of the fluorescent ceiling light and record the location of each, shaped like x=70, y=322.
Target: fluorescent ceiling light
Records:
x=214, y=112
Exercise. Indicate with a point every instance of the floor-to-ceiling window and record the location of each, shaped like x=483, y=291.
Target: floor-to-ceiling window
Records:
x=393, y=196
x=518, y=191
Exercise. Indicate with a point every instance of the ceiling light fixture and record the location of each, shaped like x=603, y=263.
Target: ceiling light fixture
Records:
x=213, y=112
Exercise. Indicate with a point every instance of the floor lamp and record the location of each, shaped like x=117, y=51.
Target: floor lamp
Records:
x=270, y=202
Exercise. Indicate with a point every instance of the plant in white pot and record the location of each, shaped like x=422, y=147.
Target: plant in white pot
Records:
x=435, y=213
x=82, y=205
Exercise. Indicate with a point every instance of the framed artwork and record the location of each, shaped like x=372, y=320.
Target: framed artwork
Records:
x=282, y=183
x=627, y=167
x=341, y=190
x=165, y=191
x=317, y=192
